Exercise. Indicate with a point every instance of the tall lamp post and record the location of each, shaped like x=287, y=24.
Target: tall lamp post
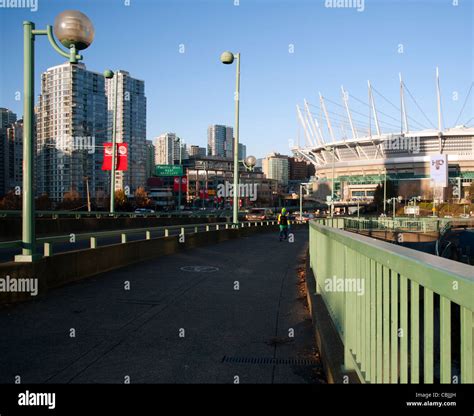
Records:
x=178, y=139
x=249, y=163
x=328, y=148
x=227, y=58
x=75, y=31
x=302, y=185
x=414, y=199
x=394, y=200
x=109, y=74
x=385, y=192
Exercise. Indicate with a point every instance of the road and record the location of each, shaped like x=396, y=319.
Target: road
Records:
x=226, y=313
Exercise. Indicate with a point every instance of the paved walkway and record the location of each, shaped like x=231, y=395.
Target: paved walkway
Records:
x=229, y=319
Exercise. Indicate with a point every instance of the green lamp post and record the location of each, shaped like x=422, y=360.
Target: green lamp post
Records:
x=227, y=58
x=75, y=31
x=109, y=74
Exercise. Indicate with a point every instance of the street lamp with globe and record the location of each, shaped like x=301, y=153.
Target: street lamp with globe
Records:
x=249, y=162
x=76, y=32
x=228, y=58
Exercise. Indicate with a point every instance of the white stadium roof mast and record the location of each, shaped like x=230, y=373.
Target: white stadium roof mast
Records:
x=345, y=98
x=403, y=110
x=328, y=122
x=372, y=103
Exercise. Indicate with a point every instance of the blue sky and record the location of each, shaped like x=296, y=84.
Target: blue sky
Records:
x=332, y=46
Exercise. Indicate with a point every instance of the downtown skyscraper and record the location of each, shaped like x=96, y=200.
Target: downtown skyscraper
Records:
x=166, y=148
x=130, y=127
x=75, y=119
x=218, y=137
x=71, y=127
x=7, y=118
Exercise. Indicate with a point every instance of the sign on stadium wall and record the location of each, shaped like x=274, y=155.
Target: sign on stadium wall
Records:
x=439, y=170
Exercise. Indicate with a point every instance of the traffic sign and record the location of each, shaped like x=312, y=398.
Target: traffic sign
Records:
x=168, y=170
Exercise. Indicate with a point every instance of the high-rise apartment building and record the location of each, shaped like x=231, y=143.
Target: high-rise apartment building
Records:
x=71, y=128
x=7, y=117
x=130, y=127
x=14, y=156
x=276, y=166
x=218, y=137
x=165, y=149
x=150, y=159
x=242, y=151
x=194, y=150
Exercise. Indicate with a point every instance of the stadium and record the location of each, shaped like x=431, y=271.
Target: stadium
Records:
x=356, y=165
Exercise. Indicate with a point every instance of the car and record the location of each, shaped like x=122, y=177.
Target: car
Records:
x=144, y=211
x=304, y=218
x=259, y=214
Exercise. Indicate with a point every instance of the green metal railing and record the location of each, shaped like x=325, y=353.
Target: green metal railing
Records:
x=118, y=214
x=424, y=225
x=394, y=308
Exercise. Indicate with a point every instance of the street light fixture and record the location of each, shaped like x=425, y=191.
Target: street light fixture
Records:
x=302, y=185
x=414, y=199
x=249, y=163
x=227, y=58
x=328, y=148
x=395, y=200
x=179, y=140
x=75, y=31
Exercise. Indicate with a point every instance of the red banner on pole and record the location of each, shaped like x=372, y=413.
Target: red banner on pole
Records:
x=184, y=184
x=121, y=159
x=122, y=156
x=107, y=163
x=203, y=194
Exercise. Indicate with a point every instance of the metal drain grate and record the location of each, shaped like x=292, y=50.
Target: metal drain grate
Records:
x=140, y=302
x=270, y=361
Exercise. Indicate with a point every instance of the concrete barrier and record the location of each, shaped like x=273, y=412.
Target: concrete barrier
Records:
x=63, y=268
x=11, y=227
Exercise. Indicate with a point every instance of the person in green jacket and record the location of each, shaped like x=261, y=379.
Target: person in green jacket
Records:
x=283, y=223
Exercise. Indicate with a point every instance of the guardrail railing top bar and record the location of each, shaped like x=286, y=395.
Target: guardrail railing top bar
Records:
x=215, y=226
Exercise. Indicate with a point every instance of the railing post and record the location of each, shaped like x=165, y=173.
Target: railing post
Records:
x=93, y=242
x=167, y=233
x=196, y=229
x=48, y=249
x=467, y=335
x=207, y=227
x=123, y=237
x=217, y=227
x=148, y=235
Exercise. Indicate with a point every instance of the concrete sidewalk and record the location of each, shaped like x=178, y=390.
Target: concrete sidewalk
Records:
x=231, y=312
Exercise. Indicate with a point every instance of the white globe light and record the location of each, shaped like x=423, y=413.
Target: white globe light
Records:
x=73, y=28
